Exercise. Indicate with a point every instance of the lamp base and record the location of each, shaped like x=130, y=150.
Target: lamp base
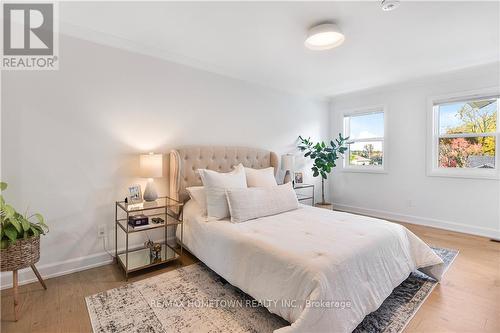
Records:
x=150, y=193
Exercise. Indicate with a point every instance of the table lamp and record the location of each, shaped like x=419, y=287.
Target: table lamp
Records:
x=287, y=162
x=151, y=166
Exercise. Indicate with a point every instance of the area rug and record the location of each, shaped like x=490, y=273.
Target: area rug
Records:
x=196, y=299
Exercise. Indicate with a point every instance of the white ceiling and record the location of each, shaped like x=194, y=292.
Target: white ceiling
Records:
x=263, y=42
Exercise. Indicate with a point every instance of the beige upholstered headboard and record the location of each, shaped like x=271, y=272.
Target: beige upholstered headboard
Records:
x=185, y=162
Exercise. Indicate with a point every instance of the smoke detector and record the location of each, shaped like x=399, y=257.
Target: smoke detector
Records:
x=388, y=5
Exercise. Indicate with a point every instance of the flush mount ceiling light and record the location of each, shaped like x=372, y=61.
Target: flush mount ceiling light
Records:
x=324, y=36
x=388, y=5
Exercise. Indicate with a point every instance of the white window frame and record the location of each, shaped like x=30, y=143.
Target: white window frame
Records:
x=433, y=136
x=346, y=167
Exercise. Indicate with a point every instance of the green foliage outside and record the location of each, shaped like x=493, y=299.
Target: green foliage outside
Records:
x=475, y=118
x=374, y=156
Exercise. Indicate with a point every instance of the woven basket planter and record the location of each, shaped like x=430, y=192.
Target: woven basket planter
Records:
x=23, y=253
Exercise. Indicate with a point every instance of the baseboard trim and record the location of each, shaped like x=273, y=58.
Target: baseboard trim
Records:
x=57, y=269
x=429, y=222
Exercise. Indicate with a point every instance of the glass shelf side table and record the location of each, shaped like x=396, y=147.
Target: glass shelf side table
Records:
x=301, y=193
x=135, y=259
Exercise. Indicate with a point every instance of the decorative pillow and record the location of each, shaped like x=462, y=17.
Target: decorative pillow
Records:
x=216, y=183
x=254, y=202
x=260, y=177
x=198, y=195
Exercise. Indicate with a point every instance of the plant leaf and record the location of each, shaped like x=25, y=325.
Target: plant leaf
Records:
x=3, y=186
x=39, y=217
x=11, y=232
x=35, y=231
x=41, y=230
x=16, y=224
x=9, y=211
x=40, y=220
x=25, y=224
x=4, y=244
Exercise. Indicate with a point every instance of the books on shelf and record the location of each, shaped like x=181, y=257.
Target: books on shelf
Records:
x=146, y=226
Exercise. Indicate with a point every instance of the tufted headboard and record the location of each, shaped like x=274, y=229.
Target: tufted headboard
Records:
x=185, y=162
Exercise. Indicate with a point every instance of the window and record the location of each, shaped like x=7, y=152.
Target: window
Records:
x=465, y=136
x=365, y=129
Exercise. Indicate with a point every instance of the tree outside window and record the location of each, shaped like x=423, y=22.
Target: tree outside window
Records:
x=467, y=133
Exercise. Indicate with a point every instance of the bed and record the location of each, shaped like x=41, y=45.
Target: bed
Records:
x=321, y=270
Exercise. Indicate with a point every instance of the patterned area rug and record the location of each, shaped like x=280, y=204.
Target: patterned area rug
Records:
x=195, y=299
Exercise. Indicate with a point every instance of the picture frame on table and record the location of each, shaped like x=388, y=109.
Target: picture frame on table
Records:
x=299, y=177
x=135, y=194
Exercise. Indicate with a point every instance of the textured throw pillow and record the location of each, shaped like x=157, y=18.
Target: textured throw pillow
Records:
x=216, y=183
x=260, y=177
x=254, y=202
x=197, y=194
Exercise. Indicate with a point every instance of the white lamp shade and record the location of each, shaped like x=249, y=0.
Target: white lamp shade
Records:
x=151, y=165
x=287, y=162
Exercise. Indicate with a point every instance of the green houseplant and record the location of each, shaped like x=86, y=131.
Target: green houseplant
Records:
x=20, y=243
x=324, y=157
x=15, y=226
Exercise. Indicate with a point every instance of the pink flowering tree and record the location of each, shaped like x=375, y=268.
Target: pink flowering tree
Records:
x=454, y=153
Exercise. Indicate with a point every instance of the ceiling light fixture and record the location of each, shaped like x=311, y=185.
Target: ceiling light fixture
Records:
x=388, y=5
x=324, y=36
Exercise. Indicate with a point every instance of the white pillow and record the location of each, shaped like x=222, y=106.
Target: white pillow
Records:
x=254, y=202
x=260, y=177
x=216, y=183
x=198, y=195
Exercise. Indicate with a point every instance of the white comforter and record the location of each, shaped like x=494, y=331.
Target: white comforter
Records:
x=291, y=260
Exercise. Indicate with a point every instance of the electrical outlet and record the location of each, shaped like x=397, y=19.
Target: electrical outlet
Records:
x=101, y=231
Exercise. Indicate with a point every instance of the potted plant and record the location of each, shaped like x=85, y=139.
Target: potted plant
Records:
x=20, y=242
x=324, y=157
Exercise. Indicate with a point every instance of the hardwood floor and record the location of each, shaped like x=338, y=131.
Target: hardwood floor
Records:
x=467, y=300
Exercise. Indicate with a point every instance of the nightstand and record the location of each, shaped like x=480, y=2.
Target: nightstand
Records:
x=169, y=210
x=305, y=192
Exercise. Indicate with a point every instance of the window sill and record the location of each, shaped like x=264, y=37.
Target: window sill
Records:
x=467, y=174
x=364, y=170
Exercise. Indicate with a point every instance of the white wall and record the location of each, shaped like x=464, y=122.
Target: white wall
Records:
x=468, y=205
x=70, y=138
